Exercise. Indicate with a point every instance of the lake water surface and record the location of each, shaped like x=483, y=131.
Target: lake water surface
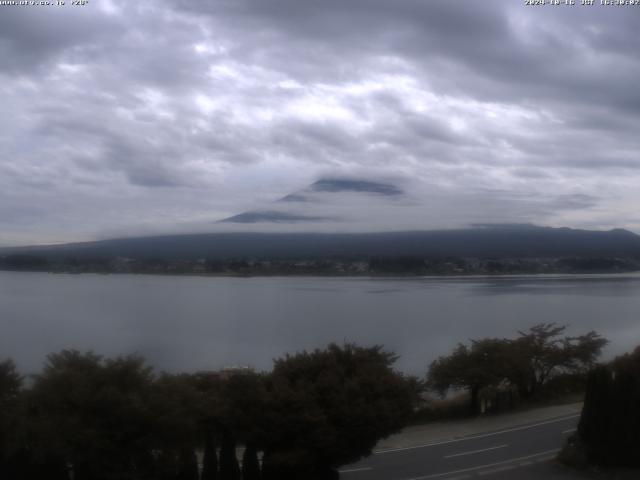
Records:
x=192, y=323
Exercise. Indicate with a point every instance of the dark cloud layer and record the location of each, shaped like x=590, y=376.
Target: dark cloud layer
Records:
x=152, y=116
x=360, y=186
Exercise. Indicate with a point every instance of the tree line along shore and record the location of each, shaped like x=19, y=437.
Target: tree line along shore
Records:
x=86, y=417
x=330, y=266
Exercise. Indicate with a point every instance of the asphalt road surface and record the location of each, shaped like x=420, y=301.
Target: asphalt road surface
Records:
x=523, y=452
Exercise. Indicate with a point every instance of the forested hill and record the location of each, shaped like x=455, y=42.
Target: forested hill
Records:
x=496, y=241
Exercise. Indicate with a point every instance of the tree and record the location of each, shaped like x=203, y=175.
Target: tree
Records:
x=528, y=362
x=330, y=407
x=242, y=402
x=10, y=425
x=239, y=403
x=210, y=458
x=167, y=465
x=10, y=381
x=24, y=262
x=594, y=421
x=250, y=463
x=208, y=386
x=92, y=418
x=187, y=464
x=609, y=428
x=484, y=363
x=229, y=468
x=175, y=404
x=541, y=352
x=93, y=413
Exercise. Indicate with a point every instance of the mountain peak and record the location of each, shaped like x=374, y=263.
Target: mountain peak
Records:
x=272, y=216
x=355, y=185
x=306, y=205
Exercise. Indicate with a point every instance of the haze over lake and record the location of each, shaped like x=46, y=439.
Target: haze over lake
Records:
x=195, y=323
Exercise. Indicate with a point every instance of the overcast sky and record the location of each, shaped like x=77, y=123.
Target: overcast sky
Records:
x=136, y=117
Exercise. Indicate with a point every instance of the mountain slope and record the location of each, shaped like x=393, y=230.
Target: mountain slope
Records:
x=481, y=241
x=316, y=202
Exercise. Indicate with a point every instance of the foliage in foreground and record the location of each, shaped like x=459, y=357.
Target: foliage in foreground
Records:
x=338, y=403
x=609, y=429
x=90, y=418
x=522, y=366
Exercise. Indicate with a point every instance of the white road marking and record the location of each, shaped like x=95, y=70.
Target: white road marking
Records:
x=481, y=467
x=351, y=470
x=473, y=437
x=475, y=451
x=571, y=430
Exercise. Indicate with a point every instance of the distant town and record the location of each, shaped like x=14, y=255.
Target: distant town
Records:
x=382, y=266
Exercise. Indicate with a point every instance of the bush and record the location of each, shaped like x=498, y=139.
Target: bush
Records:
x=609, y=428
x=330, y=407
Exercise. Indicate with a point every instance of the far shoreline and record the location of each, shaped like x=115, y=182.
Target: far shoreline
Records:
x=351, y=276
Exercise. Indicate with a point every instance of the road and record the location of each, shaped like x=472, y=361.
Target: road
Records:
x=523, y=452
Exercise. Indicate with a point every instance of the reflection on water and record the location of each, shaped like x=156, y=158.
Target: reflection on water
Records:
x=189, y=323
x=554, y=285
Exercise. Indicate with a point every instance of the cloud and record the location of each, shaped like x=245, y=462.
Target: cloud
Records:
x=31, y=39
x=153, y=116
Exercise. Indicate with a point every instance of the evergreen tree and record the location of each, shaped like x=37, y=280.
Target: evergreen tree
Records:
x=229, y=468
x=250, y=463
x=10, y=389
x=210, y=459
x=36, y=467
x=167, y=465
x=609, y=428
x=624, y=430
x=595, y=420
x=145, y=466
x=84, y=470
x=187, y=464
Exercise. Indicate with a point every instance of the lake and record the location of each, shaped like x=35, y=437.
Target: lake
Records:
x=192, y=323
